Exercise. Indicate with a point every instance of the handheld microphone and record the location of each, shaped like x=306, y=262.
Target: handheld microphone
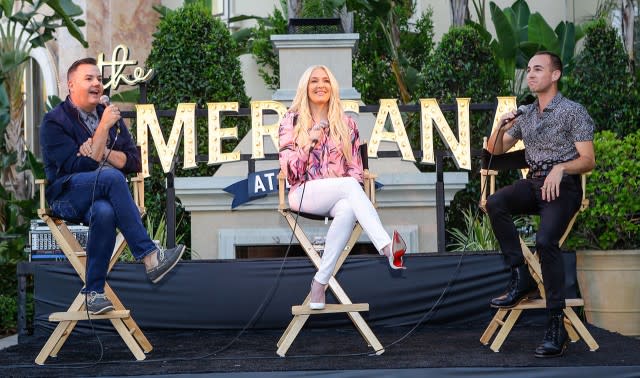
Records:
x=104, y=100
x=323, y=125
x=519, y=112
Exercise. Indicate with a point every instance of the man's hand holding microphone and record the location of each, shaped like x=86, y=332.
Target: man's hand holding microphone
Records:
x=111, y=114
x=507, y=119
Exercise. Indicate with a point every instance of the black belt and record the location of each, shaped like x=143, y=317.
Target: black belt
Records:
x=539, y=173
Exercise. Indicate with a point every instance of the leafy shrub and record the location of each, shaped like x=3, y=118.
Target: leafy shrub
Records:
x=612, y=220
x=8, y=313
x=262, y=48
x=477, y=234
x=8, y=295
x=195, y=60
x=602, y=83
x=463, y=65
x=372, y=74
x=8, y=290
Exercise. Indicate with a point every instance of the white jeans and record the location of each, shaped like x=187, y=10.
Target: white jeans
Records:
x=343, y=199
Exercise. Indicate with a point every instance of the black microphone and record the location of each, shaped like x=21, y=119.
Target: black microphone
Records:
x=519, y=112
x=104, y=100
x=323, y=125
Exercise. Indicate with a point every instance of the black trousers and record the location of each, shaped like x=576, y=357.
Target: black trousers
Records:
x=525, y=198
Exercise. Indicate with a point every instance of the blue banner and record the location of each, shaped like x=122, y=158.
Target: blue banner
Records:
x=258, y=185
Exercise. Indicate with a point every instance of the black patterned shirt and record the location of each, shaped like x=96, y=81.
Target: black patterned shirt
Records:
x=549, y=137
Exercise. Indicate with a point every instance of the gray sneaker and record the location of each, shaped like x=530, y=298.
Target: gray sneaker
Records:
x=167, y=259
x=98, y=303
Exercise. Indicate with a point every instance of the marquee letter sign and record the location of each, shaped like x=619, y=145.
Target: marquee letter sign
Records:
x=117, y=66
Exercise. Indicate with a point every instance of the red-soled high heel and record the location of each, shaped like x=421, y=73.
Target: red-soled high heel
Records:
x=398, y=249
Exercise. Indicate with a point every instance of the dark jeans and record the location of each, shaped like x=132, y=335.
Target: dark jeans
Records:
x=110, y=207
x=524, y=197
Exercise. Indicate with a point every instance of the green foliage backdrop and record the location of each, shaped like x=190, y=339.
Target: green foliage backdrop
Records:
x=612, y=220
x=602, y=83
x=195, y=60
x=463, y=65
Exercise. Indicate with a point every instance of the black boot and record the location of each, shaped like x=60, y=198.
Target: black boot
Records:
x=555, y=339
x=520, y=286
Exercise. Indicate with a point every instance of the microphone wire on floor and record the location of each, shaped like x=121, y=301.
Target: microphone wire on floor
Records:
x=428, y=313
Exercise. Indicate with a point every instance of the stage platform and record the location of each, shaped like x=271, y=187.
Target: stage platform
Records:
x=429, y=317
x=340, y=352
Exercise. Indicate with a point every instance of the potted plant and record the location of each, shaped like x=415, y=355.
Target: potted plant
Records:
x=607, y=236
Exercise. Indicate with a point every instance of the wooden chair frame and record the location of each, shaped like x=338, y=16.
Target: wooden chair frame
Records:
x=302, y=312
x=120, y=317
x=505, y=318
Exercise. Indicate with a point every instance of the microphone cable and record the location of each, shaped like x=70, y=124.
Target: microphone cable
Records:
x=425, y=317
x=269, y=296
x=428, y=313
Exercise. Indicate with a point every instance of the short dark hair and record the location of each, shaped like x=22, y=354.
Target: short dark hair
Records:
x=79, y=62
x=556, y=62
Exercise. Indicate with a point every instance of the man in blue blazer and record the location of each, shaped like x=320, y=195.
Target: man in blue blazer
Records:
x=87, y=151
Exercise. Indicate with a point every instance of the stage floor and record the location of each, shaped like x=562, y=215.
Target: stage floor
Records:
x=436, y=351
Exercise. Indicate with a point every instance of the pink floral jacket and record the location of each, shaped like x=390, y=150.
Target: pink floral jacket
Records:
x=325, y=160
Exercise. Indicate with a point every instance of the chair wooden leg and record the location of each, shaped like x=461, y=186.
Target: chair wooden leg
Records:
x=581, y=329
x=496, y=321
x=293, y=323
x=571, y=331
x=131, y=325
x=291, y=333
x=70, y=325
x=60, y=333
x=356, y=318
x=506, y=328
x=51, y=343
x=122, y=329
x=298, y=321
x=366, y=332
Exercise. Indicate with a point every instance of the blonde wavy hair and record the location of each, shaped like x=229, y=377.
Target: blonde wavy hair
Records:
x=339, y=130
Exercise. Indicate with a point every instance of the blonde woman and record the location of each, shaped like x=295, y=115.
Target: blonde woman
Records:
x=319, y=152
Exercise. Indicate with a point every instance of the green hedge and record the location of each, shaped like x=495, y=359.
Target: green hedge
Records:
x=463, y=65
x=195, y=60
x=602, y=82
x=372, y=74
x=612, y=220
x=262, y=48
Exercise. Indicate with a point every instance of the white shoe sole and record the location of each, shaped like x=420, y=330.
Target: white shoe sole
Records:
x=160, y=277
x=316, y=306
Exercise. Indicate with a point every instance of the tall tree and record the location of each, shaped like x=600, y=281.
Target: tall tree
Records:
x=628, y=18
x=459, y=12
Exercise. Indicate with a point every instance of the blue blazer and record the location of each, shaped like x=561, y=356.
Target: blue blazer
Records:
x=61, y=134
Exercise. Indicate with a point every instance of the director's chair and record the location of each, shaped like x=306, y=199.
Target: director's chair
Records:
x=120, y=317
x=505, y=318
x=302, y=312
